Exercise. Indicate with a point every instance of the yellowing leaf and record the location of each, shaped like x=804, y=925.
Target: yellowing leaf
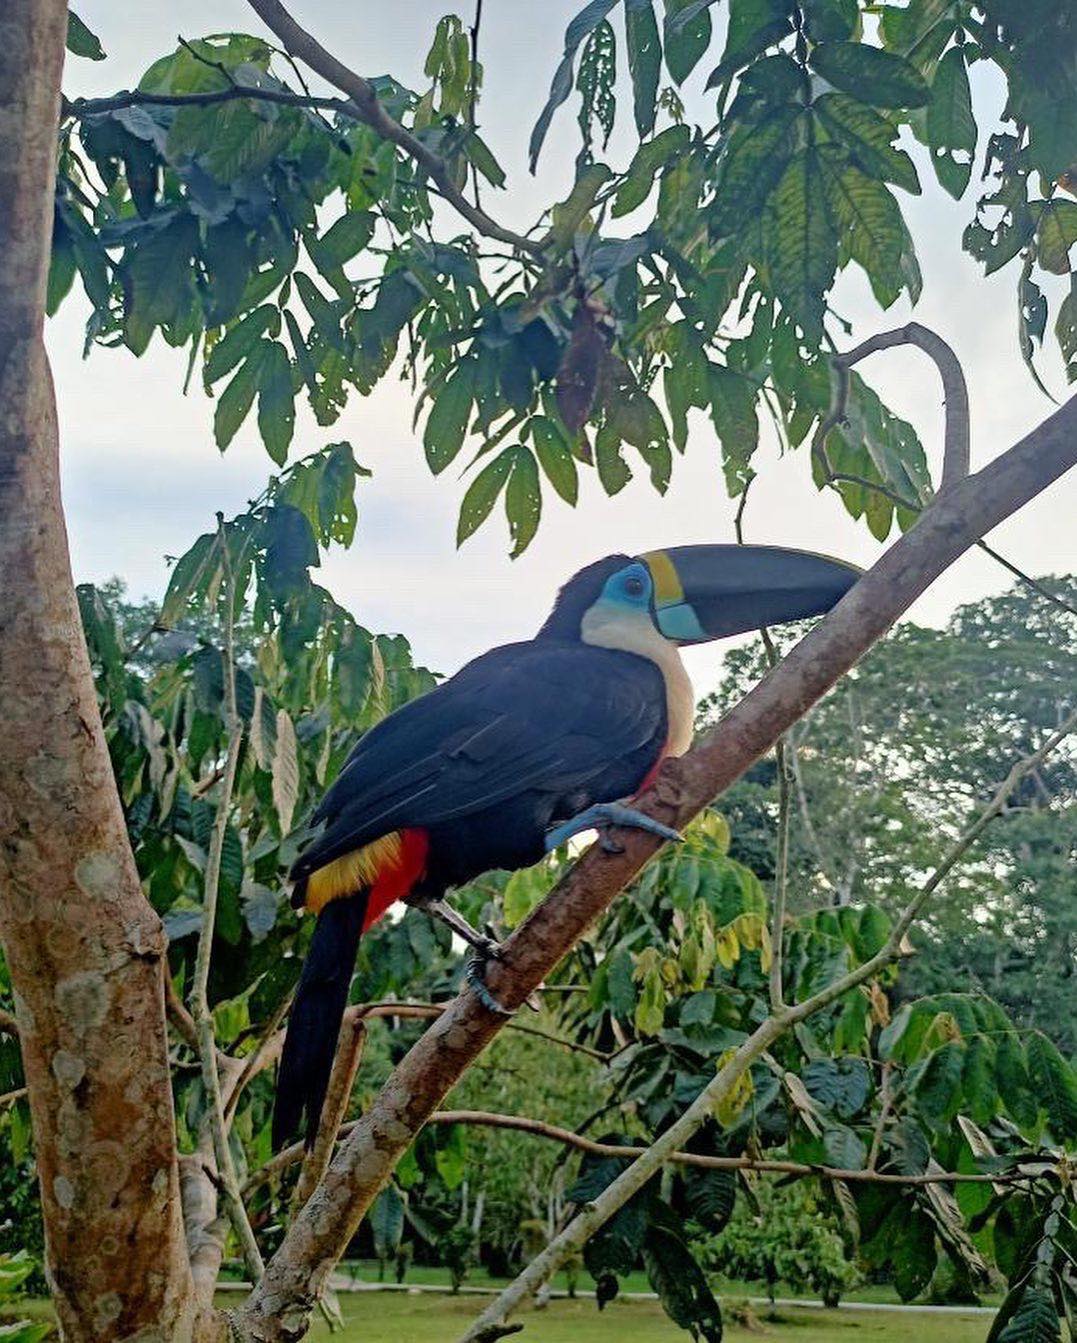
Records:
x=741, y=1092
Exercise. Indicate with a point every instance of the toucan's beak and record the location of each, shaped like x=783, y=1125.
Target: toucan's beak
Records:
x=709, y=592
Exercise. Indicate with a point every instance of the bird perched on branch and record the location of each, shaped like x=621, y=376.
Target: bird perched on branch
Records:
x=526, y=746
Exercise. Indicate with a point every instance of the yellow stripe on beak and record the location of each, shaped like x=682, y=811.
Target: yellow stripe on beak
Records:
x=667, y=583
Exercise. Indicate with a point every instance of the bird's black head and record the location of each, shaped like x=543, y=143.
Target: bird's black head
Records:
x=691, y=594
x=579, y=594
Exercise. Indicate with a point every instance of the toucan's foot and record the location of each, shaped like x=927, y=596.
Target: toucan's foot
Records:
x=473, y=976
x=486, y=948
x=606, y=814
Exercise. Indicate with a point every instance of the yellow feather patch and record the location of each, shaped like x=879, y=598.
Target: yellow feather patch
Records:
x=352, y=871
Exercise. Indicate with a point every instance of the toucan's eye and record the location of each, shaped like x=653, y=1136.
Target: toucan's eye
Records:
x=634, y=586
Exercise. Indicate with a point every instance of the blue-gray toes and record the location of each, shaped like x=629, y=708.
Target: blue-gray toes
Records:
x=603, y=814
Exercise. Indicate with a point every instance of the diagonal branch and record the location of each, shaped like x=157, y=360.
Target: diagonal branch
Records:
x=954, y=522
x=304, y=46
x=616, y=1194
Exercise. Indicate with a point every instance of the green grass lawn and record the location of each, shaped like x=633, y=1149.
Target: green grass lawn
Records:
x=396, y=1317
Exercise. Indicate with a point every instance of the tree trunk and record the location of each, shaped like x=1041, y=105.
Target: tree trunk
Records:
x=84, y=949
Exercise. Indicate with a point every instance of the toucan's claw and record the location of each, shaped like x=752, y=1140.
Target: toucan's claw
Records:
x=473, y=976
x=607, y=814
x=484, y=947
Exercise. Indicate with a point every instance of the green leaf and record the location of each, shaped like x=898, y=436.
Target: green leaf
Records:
x=555, y=457
x=754, y=25
x=285, y=771
x=710, y=1196
x=567, y=216
x=646, y=162
x=913, y=1254
x=872, y=931
x=938, y=1087
x=681, y=1285
x=869, y=137
x=1055, y=235
x=876, y=77
x=613, y=472
x=1055, y=1083
x=238, y=341
x=686, y=35
x=446, y=424
x=80, y=41
x=482, y=494
x=868, y=219
x=951, y=125
x=62, y=265
x=158, y=279
x=237, y=398
x=978, y=1080
x=1035, y=1320
x=841, y=1085
x=346, y=238
x=644, y=61
x=523, y=501
x=596, y=82
x=800, y=242
x=585, y=22
x=732, y=402
x=276, y=401
x=387, y=1222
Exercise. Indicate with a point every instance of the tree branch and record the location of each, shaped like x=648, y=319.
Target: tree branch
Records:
x=953, y=523
x=616, y=1194
x=92, y=107
x=367, y=108
x=8, y=1024
x=781, y=876
x=956, y=442
x=539, y=1128
x=199, y=996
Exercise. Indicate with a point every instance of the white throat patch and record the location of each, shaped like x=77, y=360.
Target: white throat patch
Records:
x=608, y=625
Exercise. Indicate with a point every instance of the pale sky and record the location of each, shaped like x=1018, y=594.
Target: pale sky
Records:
x=142, y=476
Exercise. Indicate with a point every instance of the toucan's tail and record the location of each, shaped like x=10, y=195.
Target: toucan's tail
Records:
x=314, y=1025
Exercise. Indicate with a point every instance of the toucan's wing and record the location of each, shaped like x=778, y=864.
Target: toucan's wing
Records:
x=537, y=716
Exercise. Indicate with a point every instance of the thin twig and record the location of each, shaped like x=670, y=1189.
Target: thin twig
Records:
x=539, y=1128
x=262, y=1056
x=1028, y=581
x=180, y=1018
x=10, y=1097
x=346, y=1061
x=366, y=107
x=199, y=995
x=92, y=107
x=781, y=876
x=885, y=1101
x=473, y=94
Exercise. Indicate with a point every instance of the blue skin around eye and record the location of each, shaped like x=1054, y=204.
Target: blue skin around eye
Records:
x=617, y=588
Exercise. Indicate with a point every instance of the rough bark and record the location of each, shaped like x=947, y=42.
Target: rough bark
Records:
x=83, y=946
x=277, y=1311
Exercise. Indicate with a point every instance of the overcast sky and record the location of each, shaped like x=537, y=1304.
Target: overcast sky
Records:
x=142, y=476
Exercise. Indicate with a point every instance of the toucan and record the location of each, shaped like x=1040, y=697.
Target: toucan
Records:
x=526, y=746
